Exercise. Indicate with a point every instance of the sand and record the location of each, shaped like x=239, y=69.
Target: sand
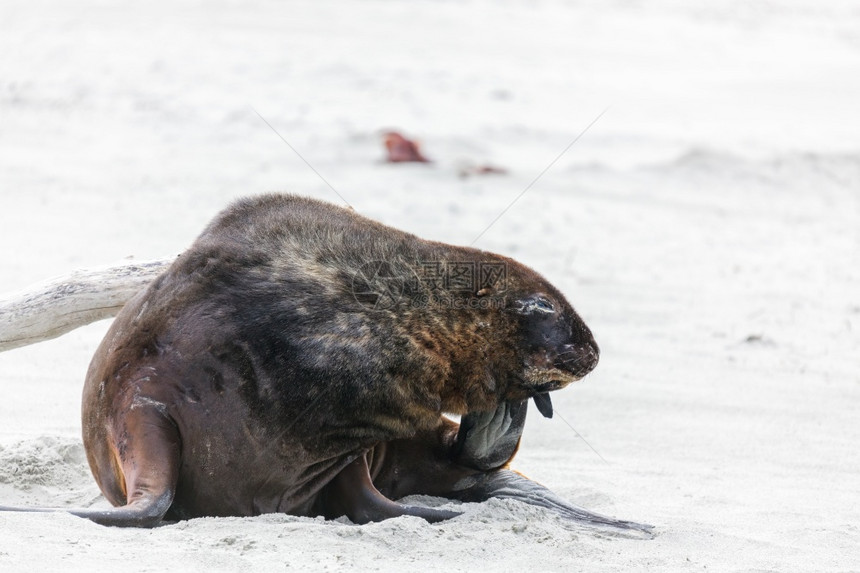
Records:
x=705, y=226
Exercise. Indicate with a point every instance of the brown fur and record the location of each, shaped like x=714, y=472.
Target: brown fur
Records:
x=263, y=366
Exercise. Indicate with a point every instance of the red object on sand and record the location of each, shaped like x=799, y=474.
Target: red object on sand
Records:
x=402, y=150
x=469, y=170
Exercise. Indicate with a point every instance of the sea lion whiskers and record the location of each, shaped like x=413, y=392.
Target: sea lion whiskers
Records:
x=572, y=361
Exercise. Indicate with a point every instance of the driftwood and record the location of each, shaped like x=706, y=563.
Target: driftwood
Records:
x=52, y=308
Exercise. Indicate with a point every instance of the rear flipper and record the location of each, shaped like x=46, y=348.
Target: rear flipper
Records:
x=145, y=511
x=146, y=473
x=507, y=484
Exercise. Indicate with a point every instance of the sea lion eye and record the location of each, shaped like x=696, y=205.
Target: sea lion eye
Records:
x=537, y=304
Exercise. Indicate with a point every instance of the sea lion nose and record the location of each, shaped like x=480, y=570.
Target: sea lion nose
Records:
x=595, y=350
x=591, y=354
x=579, y=359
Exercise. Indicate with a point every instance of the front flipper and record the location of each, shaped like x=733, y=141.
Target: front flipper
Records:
x=506, y=484
x=488, y=440
x=353, y=494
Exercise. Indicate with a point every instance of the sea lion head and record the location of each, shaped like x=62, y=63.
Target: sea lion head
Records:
x=555, y=346
x=492, y=328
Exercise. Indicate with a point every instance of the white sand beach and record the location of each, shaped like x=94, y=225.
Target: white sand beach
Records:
x=706, y=226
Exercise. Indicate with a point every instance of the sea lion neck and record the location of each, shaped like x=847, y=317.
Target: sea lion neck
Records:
x=452, y=306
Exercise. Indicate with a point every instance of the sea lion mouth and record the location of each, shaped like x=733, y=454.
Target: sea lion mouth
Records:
x=542, y=380
x=539, y=391
x=539, y=382
x=548, y=386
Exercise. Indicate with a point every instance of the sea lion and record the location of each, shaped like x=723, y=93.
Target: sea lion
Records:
x=299, y=358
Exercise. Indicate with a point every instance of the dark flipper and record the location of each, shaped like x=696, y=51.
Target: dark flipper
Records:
x=506, y=484
x=544, y=404
x=149, y=470
x=145, y=511
x=353, y=494
x=488, y=440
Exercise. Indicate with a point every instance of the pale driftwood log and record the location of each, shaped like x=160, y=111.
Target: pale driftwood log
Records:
x=52, y=308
